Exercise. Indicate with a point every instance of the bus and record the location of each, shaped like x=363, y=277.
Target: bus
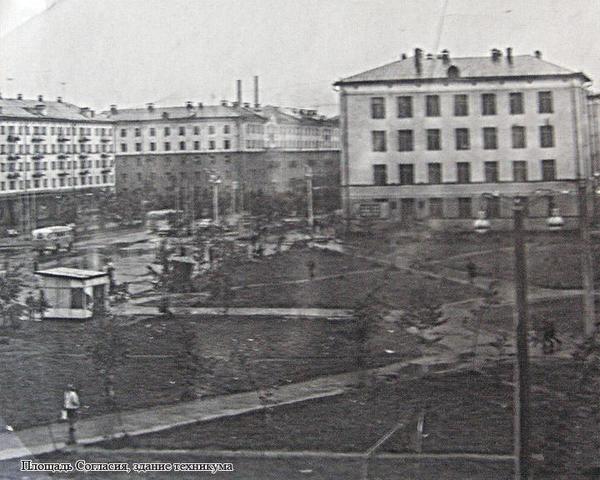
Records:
x=52, y=238
x=162, y=221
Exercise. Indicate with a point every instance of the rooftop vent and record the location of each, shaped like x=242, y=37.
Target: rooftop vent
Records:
x=509, y=55
x=113, y=109
x=537, y=54
x=40, y=98
x=246, y=104
x=150, y=107
x=19, y=96
x=446, y=56
x=189, y=105
x=418, y=60
x=496, y=54
x=224, y=103
x=200, y=105
x=430, y=56
x=59, y=99
x=403, y=56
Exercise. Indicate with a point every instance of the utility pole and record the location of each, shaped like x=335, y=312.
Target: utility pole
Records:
x=309, y=192
x=521, y=400
x=587, y=265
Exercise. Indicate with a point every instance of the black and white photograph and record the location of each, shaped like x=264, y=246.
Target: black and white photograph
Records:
x=300, y=239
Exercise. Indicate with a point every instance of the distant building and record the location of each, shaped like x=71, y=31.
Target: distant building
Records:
x=424, y=137
x=52, y=154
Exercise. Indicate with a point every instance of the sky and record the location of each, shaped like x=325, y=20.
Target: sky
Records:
x=129, y=52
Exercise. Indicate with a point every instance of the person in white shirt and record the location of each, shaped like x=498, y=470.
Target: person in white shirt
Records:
x=71, y=406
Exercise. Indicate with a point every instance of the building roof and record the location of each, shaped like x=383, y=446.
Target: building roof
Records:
x=72, y=273
x=468, y=68
x=27, y=109
x=181, y=113
x=297, y=116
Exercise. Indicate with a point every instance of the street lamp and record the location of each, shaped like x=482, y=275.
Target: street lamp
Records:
x=234, y=188
x=215, y=180
x=521, y=372
x=308, y=174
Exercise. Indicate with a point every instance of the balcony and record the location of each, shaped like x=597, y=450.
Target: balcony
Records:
x=105, y=139
x=104, y=155
x=13, y=138
x=37, y=156
x=37, y=139
x=84, y=139
x=13, y=157
x=83, y=156
x=62, y=174
x=37, y=174
x=106, y=170
x=62, y=139
x=13, y=175
x=84, y=172
x=62, y=156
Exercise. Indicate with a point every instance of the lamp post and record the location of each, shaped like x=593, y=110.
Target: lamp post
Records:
x=308, y=174
x=234, y=188
x=215, y=180
x=521, y=418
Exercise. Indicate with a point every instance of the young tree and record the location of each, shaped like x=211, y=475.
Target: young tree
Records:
x=11, y=285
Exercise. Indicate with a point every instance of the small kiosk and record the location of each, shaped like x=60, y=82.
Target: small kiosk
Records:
x=72, y=293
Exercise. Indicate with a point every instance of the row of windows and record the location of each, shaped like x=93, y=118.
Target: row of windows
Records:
x=212, y=145
x=54, y=148
x=488, y=105
x=54, y=165
x=42, y=130
x=462, y=138
x=406, y=172
x=56, y=182
x=181, y=130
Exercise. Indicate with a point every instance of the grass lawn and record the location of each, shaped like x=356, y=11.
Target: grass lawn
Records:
x=463, y=412
x=257, y=468
x=42, y=357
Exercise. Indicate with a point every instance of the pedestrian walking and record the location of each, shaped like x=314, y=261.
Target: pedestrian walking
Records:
x=311, y=268
x=472, y=271
x=549, y=338
x=31, y=304
x=71, y=407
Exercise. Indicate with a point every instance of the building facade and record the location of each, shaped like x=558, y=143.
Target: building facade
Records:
x=441, y=139
x=55, y=158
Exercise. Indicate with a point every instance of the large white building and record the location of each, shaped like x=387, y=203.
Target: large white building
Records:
x=50, y=152
x=427, y=136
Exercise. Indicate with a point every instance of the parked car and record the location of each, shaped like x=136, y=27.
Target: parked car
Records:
x=12, y=232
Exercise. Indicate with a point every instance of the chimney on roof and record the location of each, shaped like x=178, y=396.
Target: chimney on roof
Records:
x=113, y=109
x=430, y=56
x=418, y=60
x=224, y=103
x=85, y=111
x=189, y=105
x=496, y=54
x=446, y=56
x=19, y=96
x=537, y=54
x=92, y=113
x=509, y=55
x=59, y=99
x=239, y=92
x=150, y=107
x=256, y=103
x=403, y=56
x=246, y=104
x=165, y=115
x=40, y=98
x=200, y=105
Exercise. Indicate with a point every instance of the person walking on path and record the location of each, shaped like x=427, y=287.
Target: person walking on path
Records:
x=31, y=304
x=472, y=271
x=71, y=406
x=311, y=268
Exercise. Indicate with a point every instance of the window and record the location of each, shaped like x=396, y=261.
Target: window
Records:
x=492, y=207
x=378, y=138
x=152, y=146
x=434, y=173
x=152, y=132
x=546, y=136
x=211, y=129
x=181, y=145
x=196, y=145
x=380, y=175
x=211, y=145
x=432, y=105
x=226, y=129
x=226, y=144
x=406, y=174
x=167, y=146
x=436, y=207
x=138, y=132
x=491, y=172
x=123, y=133
x=167, y=131
x=463, y=172
x=377, y=107
x=181, y=130
x=545, y=102
x=464, y=208
x=548, y=170
x=405, y=109
x=434, y=139
x=488, y=104
x=405, y=140
x=196, y=130
x=518, y=137
x=516, y=103
x=138, y=147
x=462, y=138
x=490, y=138
x=461, y=105
x=519, y=171
x=123, y=147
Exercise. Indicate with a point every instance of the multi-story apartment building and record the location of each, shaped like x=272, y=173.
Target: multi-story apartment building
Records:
x=50, y=152
x=167, y=155
x=427, y=137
